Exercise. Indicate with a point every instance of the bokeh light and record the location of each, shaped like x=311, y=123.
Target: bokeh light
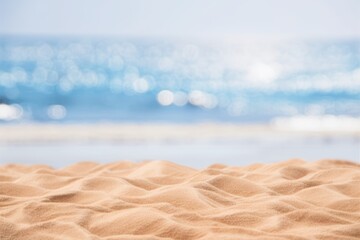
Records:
x=236, y=81
x=56, y=112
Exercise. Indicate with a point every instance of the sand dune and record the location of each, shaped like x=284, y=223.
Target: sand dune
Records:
x=161, y=200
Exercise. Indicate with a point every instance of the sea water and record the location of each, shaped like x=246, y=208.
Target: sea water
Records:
x=70, y=80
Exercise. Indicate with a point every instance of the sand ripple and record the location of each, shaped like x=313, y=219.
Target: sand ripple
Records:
x=162, y=200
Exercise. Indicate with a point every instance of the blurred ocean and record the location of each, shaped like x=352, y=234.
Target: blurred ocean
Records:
x=128, y=80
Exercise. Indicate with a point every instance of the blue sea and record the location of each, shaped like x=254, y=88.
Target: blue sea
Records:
x=70, y=80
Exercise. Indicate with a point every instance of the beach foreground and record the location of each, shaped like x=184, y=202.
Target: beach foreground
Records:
x=294, y=199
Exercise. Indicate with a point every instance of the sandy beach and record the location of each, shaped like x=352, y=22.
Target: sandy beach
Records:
x=179, y=120
x=293, y=199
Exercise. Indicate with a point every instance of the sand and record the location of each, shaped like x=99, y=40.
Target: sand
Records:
x=161, y=200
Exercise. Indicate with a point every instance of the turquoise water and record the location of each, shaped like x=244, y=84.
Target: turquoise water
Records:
x=144, y=80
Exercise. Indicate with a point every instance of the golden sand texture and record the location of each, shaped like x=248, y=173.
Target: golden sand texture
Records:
x=162, y=200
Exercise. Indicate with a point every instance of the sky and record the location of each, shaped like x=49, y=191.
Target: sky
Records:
x=183, y=18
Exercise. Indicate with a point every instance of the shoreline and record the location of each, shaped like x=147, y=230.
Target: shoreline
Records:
x=193, y=145
x=158, y=132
